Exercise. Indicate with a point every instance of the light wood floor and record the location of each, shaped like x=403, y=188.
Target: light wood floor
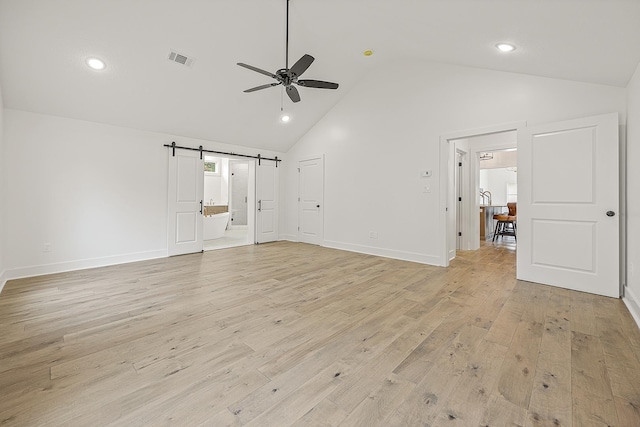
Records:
x=291, y=334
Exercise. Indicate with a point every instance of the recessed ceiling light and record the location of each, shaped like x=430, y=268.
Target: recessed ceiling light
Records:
x=285, y=118
x=505, y=47
x=96, y=64
x=368, y=52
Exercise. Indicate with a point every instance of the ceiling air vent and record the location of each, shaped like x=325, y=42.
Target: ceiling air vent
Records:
x=180, y=58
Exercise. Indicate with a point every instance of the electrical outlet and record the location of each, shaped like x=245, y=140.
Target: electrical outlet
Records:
x=373, y=234
x=46, y=247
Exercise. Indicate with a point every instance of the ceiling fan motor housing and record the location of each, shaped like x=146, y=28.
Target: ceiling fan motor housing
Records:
x=285, y=77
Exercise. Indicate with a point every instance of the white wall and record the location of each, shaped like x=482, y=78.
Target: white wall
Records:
x=495, y=181
x=632, y=292
x=216, y=187
x=96, y=193
x=384, y=132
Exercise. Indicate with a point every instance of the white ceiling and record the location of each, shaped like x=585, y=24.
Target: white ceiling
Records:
x=43, y=45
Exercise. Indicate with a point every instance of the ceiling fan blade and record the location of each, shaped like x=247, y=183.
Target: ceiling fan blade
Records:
x=258, y=70
x=253, y=89
x=318, y=84
x=302, y=65
x=293, y=93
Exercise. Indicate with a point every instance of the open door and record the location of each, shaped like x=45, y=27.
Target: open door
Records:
x=310, y=200
x=186, y=188
x=267, y=202
x=568, y=226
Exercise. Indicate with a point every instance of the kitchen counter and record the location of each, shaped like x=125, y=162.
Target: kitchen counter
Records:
x=486, y=219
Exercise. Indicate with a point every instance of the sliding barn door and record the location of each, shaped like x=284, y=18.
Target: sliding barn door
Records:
x=267, y=202
x=186, y=189
x=568, y=219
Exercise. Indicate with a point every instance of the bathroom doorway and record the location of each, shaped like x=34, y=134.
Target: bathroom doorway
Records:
x=229, y=195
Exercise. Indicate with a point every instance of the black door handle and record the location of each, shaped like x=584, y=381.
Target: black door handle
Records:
x=317, y=206
x=200, y=207
x=611, y=213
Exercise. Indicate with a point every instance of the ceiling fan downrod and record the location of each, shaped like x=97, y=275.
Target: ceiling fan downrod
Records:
x=286, y=53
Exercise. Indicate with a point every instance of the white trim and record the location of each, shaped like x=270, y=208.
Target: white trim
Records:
x=288, y=237
x=41, y=270
x=3, y=279
x=483, y=130
x=387, y=253
x=444, y=163
x=632, y=303
x=305, y=158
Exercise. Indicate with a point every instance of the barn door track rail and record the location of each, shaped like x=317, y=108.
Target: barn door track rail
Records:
x=173, y=147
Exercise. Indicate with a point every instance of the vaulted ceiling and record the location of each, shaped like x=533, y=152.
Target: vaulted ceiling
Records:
x=44, y=45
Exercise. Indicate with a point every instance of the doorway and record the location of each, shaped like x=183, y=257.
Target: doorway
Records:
x=485, y=171
x=227, y=197
x=196, y=215
x=463, y=217
x=567, y=215
x=497, y=187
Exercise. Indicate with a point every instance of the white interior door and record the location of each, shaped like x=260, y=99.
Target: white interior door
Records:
x=568, y=227
x=310, y=201
x=267, y=202
x=186, y=189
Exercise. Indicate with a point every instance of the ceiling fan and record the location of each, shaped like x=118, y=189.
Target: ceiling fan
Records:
x=288, y=77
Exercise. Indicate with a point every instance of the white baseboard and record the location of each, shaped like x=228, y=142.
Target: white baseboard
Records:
x=632, y=303
x=41, y=270
x=387, y=253
x=3, y=279
x=288, y=237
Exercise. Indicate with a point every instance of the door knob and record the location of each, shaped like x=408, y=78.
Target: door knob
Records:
x=611, y=213
x=317, y=206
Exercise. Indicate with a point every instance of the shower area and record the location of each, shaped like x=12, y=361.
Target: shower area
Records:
x=238, y=194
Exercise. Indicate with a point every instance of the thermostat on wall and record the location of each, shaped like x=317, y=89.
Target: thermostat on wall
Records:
x=425, y=174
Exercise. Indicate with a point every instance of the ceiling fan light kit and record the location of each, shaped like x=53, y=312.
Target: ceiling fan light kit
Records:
x=288, y=77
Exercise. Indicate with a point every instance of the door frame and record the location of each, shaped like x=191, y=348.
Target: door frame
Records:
x=459, y=178
x=447, y=191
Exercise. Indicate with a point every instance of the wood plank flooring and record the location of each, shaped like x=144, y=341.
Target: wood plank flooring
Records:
x=290, y=334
